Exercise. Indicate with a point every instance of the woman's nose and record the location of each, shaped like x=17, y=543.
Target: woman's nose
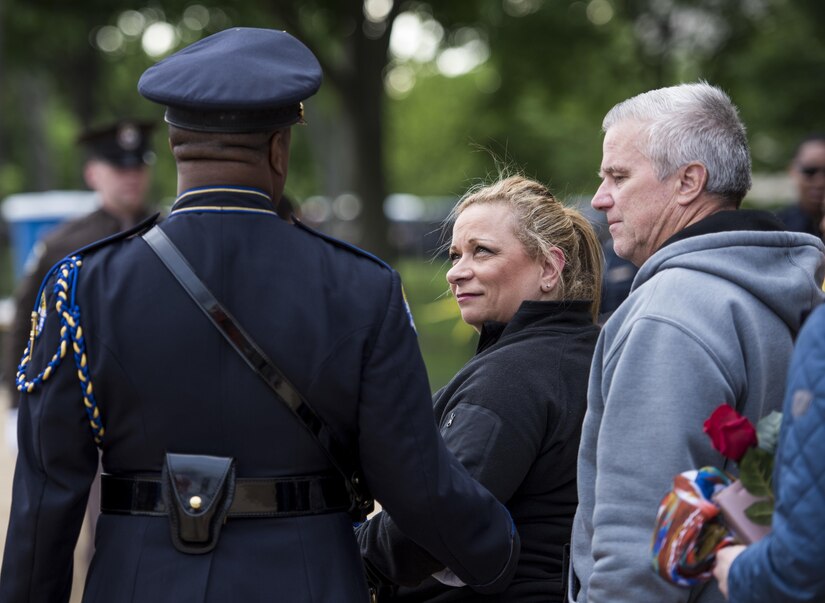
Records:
x=459, y=272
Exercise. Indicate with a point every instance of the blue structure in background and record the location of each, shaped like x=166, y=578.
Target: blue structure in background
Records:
x=31, y=215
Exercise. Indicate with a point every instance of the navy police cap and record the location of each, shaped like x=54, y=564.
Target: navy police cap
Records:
x=123, y=143
x=237, y=80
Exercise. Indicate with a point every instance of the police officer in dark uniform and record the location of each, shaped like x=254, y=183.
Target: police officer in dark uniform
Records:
x=117, y=168
x=250, y=382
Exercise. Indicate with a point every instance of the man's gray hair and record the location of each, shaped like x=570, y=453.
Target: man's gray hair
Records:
x=691, y=122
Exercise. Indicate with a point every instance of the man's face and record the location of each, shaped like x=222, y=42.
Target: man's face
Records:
x=808, y=174
x=122, y=190
x=640, y=208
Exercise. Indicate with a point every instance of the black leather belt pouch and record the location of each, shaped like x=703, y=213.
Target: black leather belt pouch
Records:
x=197, y=491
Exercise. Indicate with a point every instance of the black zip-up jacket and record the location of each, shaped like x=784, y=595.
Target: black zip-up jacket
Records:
x=512, y=415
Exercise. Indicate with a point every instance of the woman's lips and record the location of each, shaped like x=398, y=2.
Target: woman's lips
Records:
x=462, y=297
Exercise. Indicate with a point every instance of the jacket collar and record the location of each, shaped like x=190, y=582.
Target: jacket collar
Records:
x=729, y=220
x=223, y=199
x=535, y=314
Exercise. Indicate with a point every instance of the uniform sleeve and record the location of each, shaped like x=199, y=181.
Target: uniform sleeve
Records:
x=426, y=491
x=56, y=463
x=787, y=565
x=658, y=387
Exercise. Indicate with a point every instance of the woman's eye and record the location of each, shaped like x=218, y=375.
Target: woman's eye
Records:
x=454, y=257
x=482, y=249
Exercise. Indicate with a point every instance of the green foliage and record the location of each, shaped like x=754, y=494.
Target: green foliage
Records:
x=774, y=75
x=761, y=513
x=536, y=103
x=756, y=472
x=11, y=179
x=531, y=106
x=445, y=146
x=756, y=469
x=767, y=431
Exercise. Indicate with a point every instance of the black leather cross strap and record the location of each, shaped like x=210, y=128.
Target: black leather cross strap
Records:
x=343, y=461
x=253, y=497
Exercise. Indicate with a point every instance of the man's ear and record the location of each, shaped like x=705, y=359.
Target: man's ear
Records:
x=693, y=178
x=279, y=152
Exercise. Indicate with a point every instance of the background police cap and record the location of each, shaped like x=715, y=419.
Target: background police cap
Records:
x=237, y=80
x=124, y=143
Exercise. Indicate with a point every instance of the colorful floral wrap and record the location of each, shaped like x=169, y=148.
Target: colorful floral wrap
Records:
x=688, y=532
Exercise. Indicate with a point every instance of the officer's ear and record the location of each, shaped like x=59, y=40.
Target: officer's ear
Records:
x=279, y=152
x=91, y=173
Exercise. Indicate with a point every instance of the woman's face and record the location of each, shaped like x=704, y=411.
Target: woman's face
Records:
x=492, y=273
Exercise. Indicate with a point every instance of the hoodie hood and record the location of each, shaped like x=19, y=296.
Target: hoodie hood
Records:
x=789, y=283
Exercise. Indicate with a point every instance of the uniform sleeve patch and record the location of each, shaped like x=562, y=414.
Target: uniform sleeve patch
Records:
x=407, y=309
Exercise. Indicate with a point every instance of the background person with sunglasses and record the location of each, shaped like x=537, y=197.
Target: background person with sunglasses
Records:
x=807, y=171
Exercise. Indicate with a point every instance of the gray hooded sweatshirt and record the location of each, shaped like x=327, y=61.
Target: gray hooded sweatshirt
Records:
x=710, y=319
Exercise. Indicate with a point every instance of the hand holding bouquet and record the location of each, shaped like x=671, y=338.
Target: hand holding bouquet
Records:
x=706, y=510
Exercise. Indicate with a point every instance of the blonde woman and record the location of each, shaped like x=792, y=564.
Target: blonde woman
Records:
x=526, y=274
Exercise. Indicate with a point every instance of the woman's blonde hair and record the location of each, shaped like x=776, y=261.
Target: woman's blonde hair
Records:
x=541, y=223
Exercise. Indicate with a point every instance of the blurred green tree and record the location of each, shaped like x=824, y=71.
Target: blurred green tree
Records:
x=420, y=97
x=548, y=71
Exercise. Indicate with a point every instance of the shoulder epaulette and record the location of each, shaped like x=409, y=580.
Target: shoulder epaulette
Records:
x=342, y=244
x=71, y=340
x=65, y=274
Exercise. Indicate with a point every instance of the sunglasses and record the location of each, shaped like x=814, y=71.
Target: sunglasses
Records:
x=810, y=171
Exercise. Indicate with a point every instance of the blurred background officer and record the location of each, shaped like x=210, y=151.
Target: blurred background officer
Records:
x=118, y=156
x=117, y=160
x=807, y=171
x=330, y=316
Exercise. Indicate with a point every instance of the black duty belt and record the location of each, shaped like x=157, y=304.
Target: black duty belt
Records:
x=253, y=498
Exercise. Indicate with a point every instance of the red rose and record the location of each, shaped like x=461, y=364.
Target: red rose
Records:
x=731, y=433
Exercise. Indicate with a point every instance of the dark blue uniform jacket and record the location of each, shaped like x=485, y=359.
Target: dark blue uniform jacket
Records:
x=335, y=321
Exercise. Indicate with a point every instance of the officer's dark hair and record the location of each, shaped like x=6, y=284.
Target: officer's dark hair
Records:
x=190, y=145
x=543, y=223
